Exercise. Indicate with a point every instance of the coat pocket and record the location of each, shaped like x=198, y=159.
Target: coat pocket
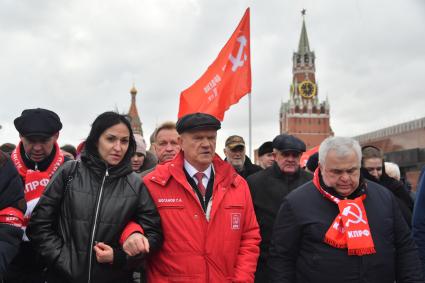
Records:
x=170, y=205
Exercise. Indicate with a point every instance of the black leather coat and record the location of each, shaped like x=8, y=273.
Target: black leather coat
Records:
x=88, y=203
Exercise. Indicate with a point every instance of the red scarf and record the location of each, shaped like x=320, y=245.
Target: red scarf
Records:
x=350, y=229
x=35, y=181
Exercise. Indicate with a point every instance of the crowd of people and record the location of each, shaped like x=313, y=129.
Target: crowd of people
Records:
x=113, y=210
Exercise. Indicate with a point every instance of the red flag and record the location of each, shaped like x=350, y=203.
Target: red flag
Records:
x=306, y=155
x=226, y=80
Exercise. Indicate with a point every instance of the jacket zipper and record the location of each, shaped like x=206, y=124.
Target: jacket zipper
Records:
x=94, y=224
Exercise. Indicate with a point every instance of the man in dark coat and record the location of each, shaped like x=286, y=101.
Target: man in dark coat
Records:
x=342, y=228
x=12, y=208
x=235, y=155
x=270, y=186
x=37, y=157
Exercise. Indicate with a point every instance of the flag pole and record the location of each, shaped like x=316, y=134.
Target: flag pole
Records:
x=250, y=125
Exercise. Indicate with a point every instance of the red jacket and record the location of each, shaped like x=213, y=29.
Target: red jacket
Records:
x=225, y=249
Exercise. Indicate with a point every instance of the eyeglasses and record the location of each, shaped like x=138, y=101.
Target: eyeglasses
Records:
x=371, y=169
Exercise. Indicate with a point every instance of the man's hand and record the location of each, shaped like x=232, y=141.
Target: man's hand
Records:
x=104, y=253
x=135, y=244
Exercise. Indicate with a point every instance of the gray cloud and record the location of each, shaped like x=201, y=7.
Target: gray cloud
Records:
x=80, y=58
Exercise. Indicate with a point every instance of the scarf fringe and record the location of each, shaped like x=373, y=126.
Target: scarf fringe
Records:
x=363, y=251
x=335, y=244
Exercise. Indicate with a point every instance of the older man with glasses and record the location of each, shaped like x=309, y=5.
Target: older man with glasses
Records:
x=269, y=187
x=341, y=228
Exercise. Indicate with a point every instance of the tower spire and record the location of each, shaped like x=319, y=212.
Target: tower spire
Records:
x=303, y=46
x=136, y=124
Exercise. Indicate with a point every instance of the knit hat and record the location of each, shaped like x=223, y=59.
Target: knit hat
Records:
x=141, y=146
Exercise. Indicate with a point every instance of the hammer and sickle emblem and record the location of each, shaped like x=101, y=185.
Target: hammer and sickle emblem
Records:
x=356, y=214
x=238, y=61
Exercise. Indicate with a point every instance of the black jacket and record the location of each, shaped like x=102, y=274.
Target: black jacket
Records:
x=249, y=168
x=85, y=203
x=268, y=189
x=11, y=195
x=27, y=264
x=299, y=254
x=397, y=189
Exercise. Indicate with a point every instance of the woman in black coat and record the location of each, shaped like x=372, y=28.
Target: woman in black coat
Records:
x=77, y=223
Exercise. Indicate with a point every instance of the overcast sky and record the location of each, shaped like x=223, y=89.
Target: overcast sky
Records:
x=81, y=57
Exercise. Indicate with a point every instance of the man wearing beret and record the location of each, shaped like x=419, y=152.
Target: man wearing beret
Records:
x=265, y=155
x=37, y=157
x=235, y=155
x=210, y=230
x=270, y=186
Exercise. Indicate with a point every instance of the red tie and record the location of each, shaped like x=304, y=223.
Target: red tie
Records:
x=201, y=187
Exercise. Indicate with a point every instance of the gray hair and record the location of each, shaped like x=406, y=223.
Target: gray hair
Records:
x=342, y=146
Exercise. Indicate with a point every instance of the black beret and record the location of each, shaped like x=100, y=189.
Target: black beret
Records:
x=313, y=162
x=38, y=122
x=266, y=147
x=286, y=142
x=197, y=121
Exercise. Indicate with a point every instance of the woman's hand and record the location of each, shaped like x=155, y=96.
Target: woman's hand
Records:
x=135, y=244
x=104, y=253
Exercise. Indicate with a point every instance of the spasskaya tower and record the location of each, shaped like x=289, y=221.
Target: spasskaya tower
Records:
x=303, y=115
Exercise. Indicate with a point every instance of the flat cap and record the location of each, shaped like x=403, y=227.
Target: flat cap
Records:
x=266, y=147
x=38, y=122
x=285, y=142
x=197, y=121
x=234, y=141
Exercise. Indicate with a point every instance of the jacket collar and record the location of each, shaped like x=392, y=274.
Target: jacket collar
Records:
x=99, y=167
x=278, y=173
x=361, y=189
x=174, y=168
x=42, y=165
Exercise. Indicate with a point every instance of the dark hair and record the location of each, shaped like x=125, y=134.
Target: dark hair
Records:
x=313, y=162
x=71, y=149
x=3, y=158
x=103, y=122
x=7, y=147
x=370, y=151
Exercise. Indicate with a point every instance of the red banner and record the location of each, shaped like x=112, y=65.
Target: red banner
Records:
x=226, y=80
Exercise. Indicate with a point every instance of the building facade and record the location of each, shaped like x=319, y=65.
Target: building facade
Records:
x=303, y=115
x=403, y=144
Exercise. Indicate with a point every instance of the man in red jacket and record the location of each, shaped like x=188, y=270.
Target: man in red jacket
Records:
x=210, y=230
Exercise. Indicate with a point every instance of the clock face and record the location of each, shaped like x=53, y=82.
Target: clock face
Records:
x=307, y=89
